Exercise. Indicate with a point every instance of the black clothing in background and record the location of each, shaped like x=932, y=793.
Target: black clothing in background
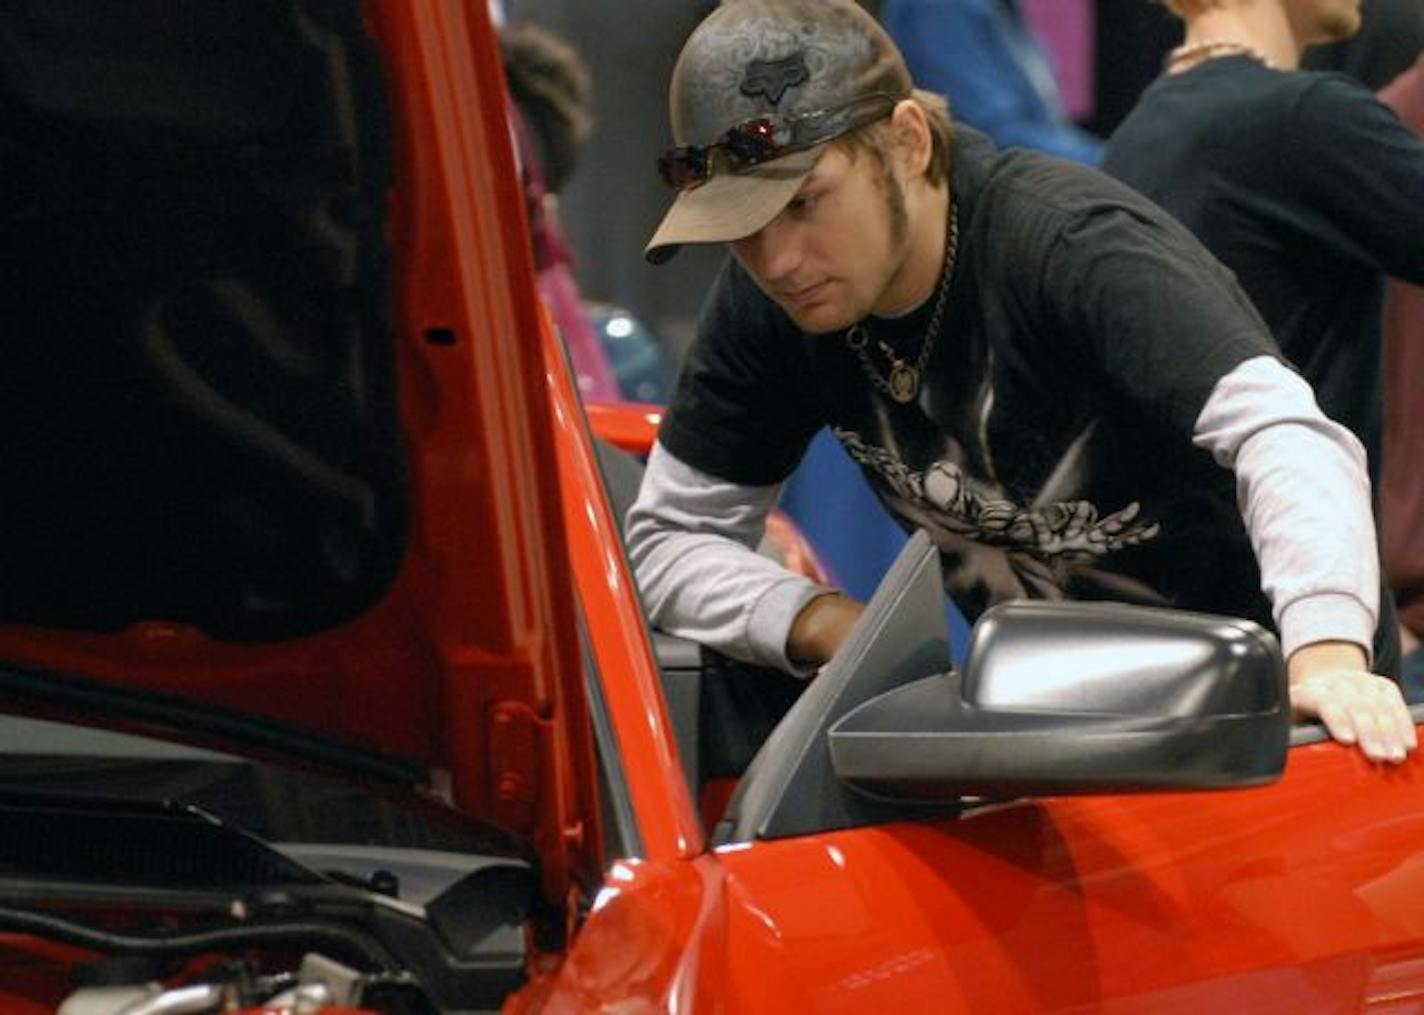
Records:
x=1132, y=38
x=1390, y=39
x=1308, y=189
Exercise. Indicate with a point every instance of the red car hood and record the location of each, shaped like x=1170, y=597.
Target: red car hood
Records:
x=302, y=501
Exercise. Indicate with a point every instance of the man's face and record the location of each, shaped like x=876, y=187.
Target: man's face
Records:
x=832, y=253
x=1319, y=21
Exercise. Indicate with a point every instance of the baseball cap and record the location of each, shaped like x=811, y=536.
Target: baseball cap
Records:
x=789, y=62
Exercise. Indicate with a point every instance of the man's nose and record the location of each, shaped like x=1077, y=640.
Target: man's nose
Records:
x=771, y=253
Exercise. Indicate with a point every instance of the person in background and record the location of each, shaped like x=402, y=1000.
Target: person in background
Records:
x=629, y=47
x=1390, y=38
x=549, y=88
x=1302, y=183
x=1130, y=38
x=1388, y=51
x=1037, y=366
x=981, y=55
x=1402, y=480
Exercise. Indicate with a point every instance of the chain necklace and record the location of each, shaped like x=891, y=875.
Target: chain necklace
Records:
x=903, y=382
x=1193, y=53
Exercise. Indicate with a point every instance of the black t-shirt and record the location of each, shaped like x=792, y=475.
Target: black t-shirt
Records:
x=1049, y=451
x=1309, y=190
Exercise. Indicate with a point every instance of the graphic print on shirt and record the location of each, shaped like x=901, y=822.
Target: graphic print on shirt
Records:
x=995, y=549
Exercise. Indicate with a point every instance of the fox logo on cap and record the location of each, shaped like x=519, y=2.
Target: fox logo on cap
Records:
x=771, y=78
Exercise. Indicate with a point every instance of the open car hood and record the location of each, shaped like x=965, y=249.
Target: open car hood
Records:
x=280, y=476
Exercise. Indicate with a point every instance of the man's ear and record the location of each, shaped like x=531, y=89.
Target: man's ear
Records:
x=912, y=139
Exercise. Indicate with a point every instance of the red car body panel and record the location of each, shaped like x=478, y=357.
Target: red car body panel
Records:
x=630, y=426
x=1302, y=896
x=667, y=822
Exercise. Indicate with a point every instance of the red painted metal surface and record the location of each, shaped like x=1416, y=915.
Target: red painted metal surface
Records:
x=506, y=635
x=1302, y=896
x=627, y=671
x=655, y=940
x=35, y=974
x=629, y=426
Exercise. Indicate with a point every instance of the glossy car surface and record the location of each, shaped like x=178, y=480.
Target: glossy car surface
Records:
x=504, y=687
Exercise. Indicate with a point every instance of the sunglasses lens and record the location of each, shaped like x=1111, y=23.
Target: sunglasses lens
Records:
x=683, y=168
x=750, y=143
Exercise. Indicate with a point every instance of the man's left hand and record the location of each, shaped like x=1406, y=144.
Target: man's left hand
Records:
x=1330, y=681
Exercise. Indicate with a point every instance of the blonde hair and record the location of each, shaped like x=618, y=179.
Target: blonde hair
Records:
x=874, y=137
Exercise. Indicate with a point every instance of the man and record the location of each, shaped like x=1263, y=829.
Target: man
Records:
x=1302, y=183
x=1025, y=358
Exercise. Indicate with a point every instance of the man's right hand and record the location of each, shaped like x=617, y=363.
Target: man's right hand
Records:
x=820, y=627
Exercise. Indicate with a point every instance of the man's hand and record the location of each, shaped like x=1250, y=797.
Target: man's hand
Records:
x=820, y=627
x=1329, y=681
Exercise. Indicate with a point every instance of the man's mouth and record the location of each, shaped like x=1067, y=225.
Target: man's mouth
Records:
x=807, y=296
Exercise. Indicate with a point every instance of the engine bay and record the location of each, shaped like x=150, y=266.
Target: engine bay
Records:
x=111, y=905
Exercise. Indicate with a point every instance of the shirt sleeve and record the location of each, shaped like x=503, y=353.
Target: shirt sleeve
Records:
x=1303, y=494
x=1168, y=328
x=742, y=410
x=1362, y=170
x=690, y=540
x=1139, y=307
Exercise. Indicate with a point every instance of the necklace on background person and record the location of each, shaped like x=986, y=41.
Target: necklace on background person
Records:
x=903, y=382
x=1192, y=53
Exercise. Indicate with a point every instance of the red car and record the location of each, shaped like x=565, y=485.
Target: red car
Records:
x=325, y=687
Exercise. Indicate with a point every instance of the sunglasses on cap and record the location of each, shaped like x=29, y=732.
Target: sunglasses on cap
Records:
x=770, y=137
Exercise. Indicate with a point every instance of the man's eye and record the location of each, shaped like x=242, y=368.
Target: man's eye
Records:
x=802, y=204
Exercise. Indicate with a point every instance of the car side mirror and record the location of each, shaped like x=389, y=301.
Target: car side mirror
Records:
x=1059, y=698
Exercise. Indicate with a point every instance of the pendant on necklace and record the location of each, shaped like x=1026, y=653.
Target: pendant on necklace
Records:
x=904, y=382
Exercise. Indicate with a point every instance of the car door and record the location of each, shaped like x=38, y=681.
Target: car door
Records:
x=1300, y=896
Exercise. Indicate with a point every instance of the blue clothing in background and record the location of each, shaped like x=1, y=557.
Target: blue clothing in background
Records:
x=980, y=54
x=854, y=536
